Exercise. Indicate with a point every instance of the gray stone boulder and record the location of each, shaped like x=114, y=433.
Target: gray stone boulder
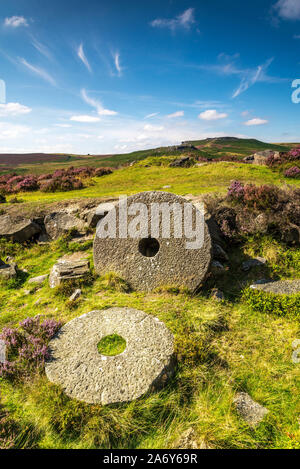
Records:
x=94, y=215
x=70, y=267
x=145, y=365
x=39, y=280
x=252, y=412
x=75, y=295
x=260, y=157
x=281, y=287
x=219, y=253
x=18, y=230
x=59, y=223
x=8, y=271
x=256, y=262
x=217, y=295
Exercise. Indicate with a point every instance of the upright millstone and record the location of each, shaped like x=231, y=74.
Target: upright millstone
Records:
x=149, y=261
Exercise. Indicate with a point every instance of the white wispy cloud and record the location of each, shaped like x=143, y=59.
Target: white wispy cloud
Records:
x=13, y=109
x=41, y=48
x=38, y=71
x=153, y=128
x=117, y=63
x=96, y=104
x=153, y=114
x=227, y=66
x=184, y=20
x=82, y=56
x=85, y=119
x=175, y=114
x=256, y=121
x=63, y=126
x=287, y=9
x=212, y=115
x=15, y=21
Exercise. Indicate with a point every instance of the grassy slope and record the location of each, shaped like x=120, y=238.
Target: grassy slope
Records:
x=198, y=180
x=243, y=351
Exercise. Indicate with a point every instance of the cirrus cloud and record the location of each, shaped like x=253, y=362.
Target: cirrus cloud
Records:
x=175, y=114
x=184, y=20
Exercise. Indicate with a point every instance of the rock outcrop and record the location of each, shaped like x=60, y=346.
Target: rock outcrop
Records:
x=18, y=230
x=59, y=223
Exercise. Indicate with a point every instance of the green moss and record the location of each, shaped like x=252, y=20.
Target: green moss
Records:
x=111, y=345
x=271, y=303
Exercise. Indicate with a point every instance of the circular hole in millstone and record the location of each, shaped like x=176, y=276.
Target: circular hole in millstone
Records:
x=111, y=345
x=149, y=247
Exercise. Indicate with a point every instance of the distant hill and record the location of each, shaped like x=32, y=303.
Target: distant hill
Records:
x=211, y=148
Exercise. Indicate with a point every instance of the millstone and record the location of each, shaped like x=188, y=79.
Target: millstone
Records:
x=170, y=263
x=77, y=366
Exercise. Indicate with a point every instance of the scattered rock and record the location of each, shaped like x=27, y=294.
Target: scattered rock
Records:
x=94, y=215
x=57, y=224
x=185, y=162
x=219, y=253
x=18, y=230
x=217, y=267
x=44, y=238
x=188, y=440
x=2, y=351
x=252, y=412
x=256, y=262
x=248, y=159
x=281, y=287
x=217, y=295
x=261, y=157
x=76, y=295
x=39, y=279
x=146, y=364
x=69, y=267
x=8, y=271
x=291, y=235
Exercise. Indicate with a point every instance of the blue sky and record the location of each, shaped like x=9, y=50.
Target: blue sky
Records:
x=116, y=76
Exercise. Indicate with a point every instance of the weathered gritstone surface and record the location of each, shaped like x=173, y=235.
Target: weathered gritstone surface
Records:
x=84, y=374
x=173, y=264
x=282, y=287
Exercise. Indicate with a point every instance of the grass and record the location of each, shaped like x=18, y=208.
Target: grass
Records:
x=112, y=345
x=196, y=180
x=221, y=349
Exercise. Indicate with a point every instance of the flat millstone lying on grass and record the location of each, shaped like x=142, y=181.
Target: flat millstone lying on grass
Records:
x=282, y=287
x=84, y=374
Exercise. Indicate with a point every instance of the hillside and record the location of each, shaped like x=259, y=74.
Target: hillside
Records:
x=210, y=148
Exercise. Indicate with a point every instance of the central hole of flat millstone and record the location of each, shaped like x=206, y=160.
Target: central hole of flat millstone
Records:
x=111, y=345
x=149, y=247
